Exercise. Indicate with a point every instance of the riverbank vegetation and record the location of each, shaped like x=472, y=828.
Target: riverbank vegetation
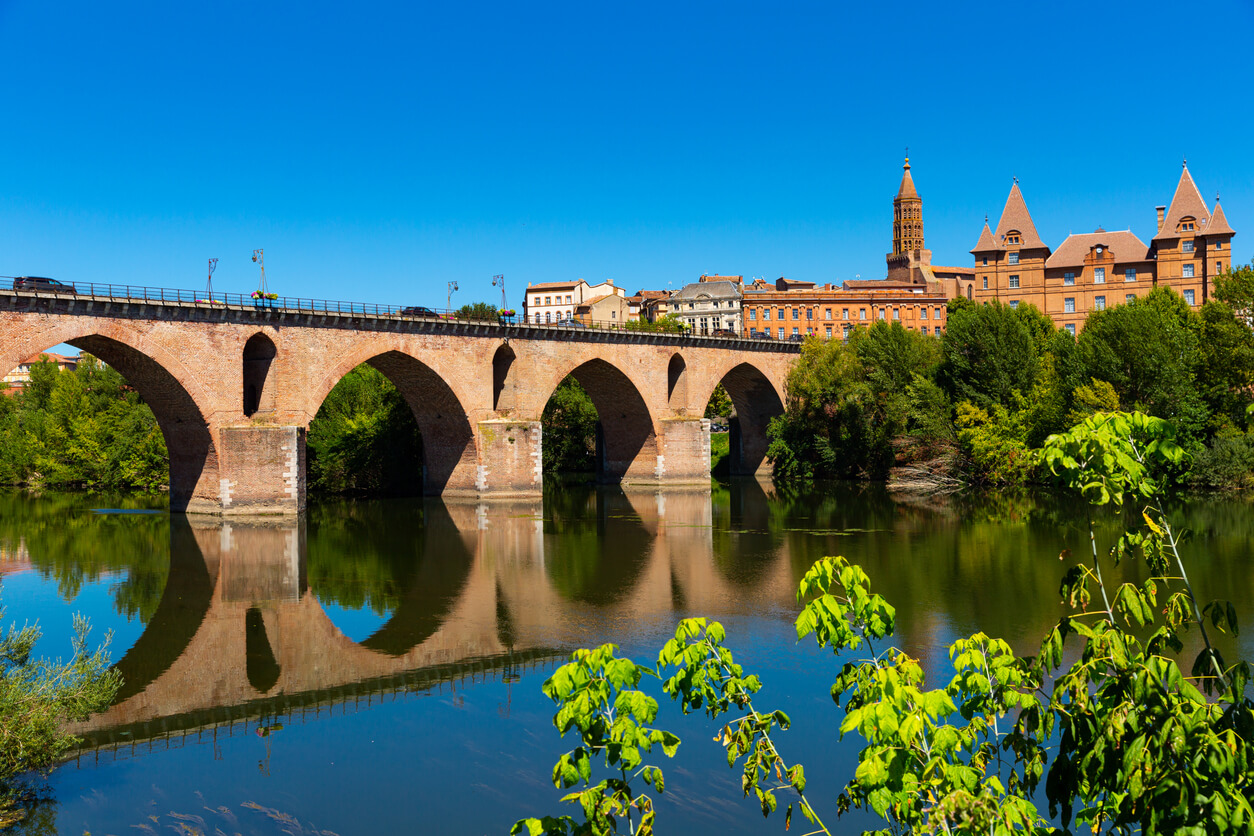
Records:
x=84, y=430
x=1108, y=735
x=975, y=406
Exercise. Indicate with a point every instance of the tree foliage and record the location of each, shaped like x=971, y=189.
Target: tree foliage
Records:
x=569, y=430
x=1112, y=736
x=478, y=311
x=84, y=429
x=37, y=697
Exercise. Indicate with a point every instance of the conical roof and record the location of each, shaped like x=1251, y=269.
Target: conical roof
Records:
x=1218, y=223
x=1187, y=202
x=1016, y=217
x=986, y=241
x=907, y=184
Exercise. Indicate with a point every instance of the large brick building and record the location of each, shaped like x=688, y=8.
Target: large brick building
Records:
x=1099, y=269
x=914, y=292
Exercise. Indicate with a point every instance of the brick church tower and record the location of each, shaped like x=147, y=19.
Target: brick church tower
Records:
x=908, y=254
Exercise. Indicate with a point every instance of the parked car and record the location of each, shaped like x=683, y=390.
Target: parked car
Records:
x=762, y=335
x=568, y=323
x=42, y=284
x=797, y=338
x=723, y=332
x=420, y=311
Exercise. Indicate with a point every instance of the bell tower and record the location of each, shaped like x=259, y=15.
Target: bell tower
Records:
x=907, y=216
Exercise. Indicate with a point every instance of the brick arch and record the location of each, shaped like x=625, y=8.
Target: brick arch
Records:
x=757, y=399
x=627, y=438
x=171, y=389
x=448, y=440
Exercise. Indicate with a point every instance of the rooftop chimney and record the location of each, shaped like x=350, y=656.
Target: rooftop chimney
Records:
x=1162, y=210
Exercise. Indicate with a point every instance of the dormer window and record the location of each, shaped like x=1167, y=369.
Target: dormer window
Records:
x=1012, y=237
x=1187, y=225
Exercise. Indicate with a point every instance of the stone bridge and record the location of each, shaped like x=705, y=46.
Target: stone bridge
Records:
x=234, y=389
x=239, y=632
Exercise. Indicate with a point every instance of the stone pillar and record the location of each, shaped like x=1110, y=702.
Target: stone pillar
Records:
x=683, y=456
x=748, y=449
x=510, y=460
x=261, y=470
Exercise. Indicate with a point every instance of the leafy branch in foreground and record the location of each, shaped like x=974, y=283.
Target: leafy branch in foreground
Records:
x=36, y=698
x=1124, y=741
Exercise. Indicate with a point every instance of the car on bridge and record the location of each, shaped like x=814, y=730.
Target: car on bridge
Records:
x=419, y=311
x=43, y=284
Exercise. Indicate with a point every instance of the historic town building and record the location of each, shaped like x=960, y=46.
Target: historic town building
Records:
x=1096, y=270
x=710, y=305
x=550, y=302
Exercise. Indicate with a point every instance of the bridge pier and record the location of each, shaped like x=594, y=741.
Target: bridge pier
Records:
x=261, y=470
x=510, y=458
x=683, y=452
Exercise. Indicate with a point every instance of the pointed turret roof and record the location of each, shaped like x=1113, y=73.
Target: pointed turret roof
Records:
x=907, y=183
x=986, y=241
x=1186, y=202
x=1218, y=224
x=1016, y=216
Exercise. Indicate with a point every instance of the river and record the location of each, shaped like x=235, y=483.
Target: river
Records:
x=375, y=667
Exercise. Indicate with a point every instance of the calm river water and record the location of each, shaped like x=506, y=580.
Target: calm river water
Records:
x=376, y=666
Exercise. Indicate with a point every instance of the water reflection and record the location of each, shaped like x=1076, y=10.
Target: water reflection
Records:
x=249, y=615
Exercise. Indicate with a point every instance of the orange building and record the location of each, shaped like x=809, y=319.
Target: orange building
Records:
x=1101, y=269
x=914, y=293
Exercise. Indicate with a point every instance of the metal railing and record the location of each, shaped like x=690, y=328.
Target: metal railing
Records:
x=46, y=288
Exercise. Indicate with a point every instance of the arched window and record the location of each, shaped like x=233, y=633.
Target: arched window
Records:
x=259, y=353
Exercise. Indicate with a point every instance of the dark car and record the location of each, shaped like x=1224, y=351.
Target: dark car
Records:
x=723, y=332
x=797, y=338
x=42, y=284
x=420, y=311
x=762, y=335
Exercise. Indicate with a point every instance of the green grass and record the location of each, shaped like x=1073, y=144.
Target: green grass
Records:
x=720, y=447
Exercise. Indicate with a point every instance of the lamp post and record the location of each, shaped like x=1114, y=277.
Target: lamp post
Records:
x=452, y=287
x=499, y=279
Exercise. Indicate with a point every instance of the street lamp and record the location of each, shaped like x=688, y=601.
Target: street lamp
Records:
x=452, y=286
x=499, y=279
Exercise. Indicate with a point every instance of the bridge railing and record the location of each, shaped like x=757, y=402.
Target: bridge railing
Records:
x=301, y=305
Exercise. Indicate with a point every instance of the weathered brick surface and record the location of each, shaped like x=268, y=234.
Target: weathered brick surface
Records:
x=196, y=367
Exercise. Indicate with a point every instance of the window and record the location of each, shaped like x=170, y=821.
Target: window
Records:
x=1099, y=275
x=781, y=332
x=567, y=298
x=536, y=302
x=829, y=332
x=1129, y=275
x=844, y=332
x=796, y=314
x=1071, y=328
x=753, y=332
x=1189, y=296
x=766, y=314
x=613, y=314
x=1219, y=266
x=844, y=313
x=881, y=313
x=827, y=314
x=795, y=332
x=1186, y=246
x=1068, y=305
x=1068, y=278
x=1014, y=303
x=1219, y=245
x=896, y=313
x=985, y=264
x=548, y=300
x=809, y=313
x=1099, y=303
x=1012, y=238
x=537, y=319
x=861, y=313
x=1186, y=225
x=1129, y=298
x=1013, y=258
x=715, y=304
x=986, y=277
x=922, y=313
x=692, y=306
x=1188, y=271
x=753, y=314
x=925, y=330
x=547, y=317
x=1014, y=282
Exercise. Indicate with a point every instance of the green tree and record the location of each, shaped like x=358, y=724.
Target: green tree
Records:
x=480, y=311
x=1225, y=371
x=669, y=324
x=990, y=351
x=364, y=439
x=569, y=427
x=37, y=698
x=1235, y=288
x=720, y=404
x=1149, y=351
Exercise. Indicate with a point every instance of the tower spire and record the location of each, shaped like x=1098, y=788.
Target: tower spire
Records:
x=907, y=214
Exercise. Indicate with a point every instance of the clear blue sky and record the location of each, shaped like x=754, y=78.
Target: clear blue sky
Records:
x=378, y=151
